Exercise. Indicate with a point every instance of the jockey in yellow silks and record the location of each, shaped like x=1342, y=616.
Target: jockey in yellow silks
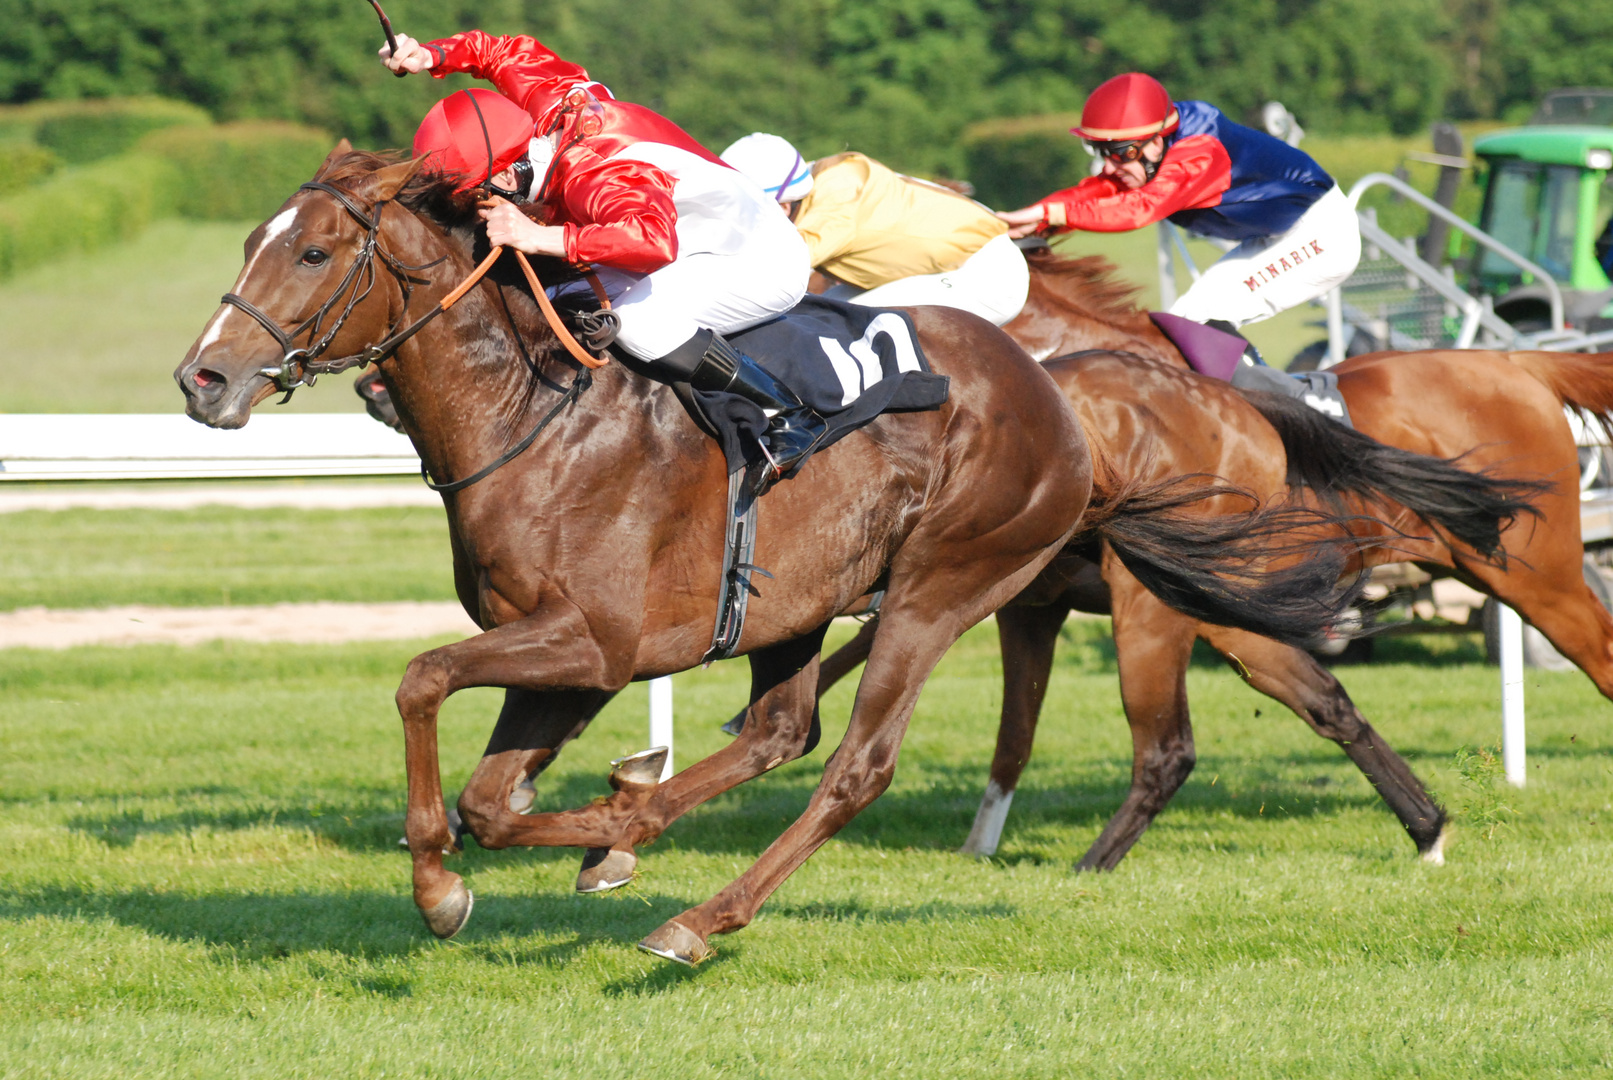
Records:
x=892, y=240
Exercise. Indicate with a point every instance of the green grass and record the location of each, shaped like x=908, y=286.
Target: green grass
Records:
x=102, y=333
x=199, y=879
x=215, y=555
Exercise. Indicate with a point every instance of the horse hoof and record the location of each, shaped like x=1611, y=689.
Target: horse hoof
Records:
x=676, y=942
x=604, y=869
x=639, y=770
x=524, y=795
x=736, y=725
x=1435, y=855
x=449, y=915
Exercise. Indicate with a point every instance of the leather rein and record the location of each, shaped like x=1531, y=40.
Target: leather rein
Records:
x=302, y=366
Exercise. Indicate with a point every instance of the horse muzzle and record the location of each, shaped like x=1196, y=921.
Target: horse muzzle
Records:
x=217, y=398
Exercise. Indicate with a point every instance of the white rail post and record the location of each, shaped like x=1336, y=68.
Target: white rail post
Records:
x=1167, y=268
x=661, y=719
x=1512, y=747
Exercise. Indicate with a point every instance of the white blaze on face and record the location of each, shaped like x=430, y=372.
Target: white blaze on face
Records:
x=275, y=229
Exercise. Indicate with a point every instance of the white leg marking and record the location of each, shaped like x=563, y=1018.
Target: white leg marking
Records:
x=1435, y=856
x=276, y=228
x=989, y=822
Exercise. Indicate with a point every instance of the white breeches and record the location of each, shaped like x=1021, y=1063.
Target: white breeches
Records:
x=708, y=291
x=992, y=283
x=1261, y=277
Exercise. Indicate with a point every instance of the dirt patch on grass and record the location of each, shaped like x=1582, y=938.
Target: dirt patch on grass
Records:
x=321, y=623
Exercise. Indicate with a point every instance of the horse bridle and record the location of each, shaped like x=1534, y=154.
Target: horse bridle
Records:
x=302, y=366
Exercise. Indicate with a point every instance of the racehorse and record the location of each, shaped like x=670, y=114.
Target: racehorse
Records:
x=1146, y=419
x=592, y=556
x=1499, y=413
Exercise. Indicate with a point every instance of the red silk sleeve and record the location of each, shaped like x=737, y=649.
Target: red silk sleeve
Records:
x=523, y=69
x=1193, y=175
x=620, y=214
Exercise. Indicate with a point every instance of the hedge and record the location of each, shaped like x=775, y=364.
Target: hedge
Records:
x=1012, y=163
x=23, y=165
x=84, y=131
x=85, y=208
x=239, y=172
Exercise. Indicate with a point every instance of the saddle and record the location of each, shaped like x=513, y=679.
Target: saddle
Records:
x=1220, y=355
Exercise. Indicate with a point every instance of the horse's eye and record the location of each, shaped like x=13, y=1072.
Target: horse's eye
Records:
x=314, y=257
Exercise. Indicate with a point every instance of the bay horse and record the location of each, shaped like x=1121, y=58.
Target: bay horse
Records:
x=593, y=556
x=1145, y=420
x=1496, y=413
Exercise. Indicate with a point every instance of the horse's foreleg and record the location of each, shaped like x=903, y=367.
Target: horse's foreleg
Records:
x=1293, y=677
x=831, y=669
x=1027, y=637
x=547, y=649
x=782, y=718
x=1153, y=645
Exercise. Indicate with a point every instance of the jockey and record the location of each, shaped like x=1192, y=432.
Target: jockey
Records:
x=893, y=240
x=687, y=249
x=1295, y=232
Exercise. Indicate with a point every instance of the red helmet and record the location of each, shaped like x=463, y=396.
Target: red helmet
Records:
x=475, y=135
x=1127, y=107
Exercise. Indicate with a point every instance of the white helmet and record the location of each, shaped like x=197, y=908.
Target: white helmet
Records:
x=772, y=164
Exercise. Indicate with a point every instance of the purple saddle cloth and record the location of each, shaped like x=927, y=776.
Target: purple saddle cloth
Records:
x=1207, y=350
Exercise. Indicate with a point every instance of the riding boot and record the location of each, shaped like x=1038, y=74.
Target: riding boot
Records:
x=793, y=428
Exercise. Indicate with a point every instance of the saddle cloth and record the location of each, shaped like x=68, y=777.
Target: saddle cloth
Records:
x=850, y=363
x=1220, y=355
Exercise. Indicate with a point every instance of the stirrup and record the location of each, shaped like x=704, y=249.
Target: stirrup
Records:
x=597, y=330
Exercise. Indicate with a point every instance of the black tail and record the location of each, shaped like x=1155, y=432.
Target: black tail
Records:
x=1333, y=461
x=1218, y=569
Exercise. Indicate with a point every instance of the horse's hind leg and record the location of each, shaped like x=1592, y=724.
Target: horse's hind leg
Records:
x=1293, y=677
x=1545, y=583
x=1153, y=645
x=831, y=669
x=782, y=726
x=1027, y=637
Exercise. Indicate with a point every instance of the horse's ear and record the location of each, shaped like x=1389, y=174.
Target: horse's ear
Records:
x=386, y=183
x=343, y=148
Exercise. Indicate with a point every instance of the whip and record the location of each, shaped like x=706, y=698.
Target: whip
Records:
x=391, y=38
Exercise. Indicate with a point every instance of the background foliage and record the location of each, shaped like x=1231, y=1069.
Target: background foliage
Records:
x=899, y=78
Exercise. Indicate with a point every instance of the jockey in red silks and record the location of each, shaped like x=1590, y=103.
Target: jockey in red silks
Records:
x=687, y=248
x=1295, y=232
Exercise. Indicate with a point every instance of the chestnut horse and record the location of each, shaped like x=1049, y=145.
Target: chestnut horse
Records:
x=1147, y=420
x=593, y=557
x=1499, y=413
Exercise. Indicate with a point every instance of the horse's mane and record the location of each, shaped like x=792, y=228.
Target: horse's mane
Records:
x=427, y=192
x=1087, y=284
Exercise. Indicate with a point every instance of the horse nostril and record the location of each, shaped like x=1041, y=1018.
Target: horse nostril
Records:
x=207, y=381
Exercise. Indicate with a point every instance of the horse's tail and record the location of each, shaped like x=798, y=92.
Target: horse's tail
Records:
x=1581, y=381
x=1334, y=461
x=1273, y=570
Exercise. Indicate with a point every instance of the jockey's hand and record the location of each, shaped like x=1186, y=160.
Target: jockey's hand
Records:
x=1024, y=222
x=411, y=59
x=509, y=227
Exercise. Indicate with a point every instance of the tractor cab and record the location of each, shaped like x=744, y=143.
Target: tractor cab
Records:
x=1549, y=198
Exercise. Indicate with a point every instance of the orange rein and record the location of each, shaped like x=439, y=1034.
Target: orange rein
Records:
x=584, y=357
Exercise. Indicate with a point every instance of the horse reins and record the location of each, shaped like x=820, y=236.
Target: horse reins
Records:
x=302, y=366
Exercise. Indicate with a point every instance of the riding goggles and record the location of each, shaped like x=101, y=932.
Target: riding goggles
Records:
x=524, y=173
x=1121, y=153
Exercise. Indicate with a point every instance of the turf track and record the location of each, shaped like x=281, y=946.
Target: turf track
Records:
x=200, y=879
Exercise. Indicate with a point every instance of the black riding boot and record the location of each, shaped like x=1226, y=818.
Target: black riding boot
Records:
x=793, y=428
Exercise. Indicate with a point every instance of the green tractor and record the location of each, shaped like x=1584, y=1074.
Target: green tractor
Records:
x=1548, y=197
